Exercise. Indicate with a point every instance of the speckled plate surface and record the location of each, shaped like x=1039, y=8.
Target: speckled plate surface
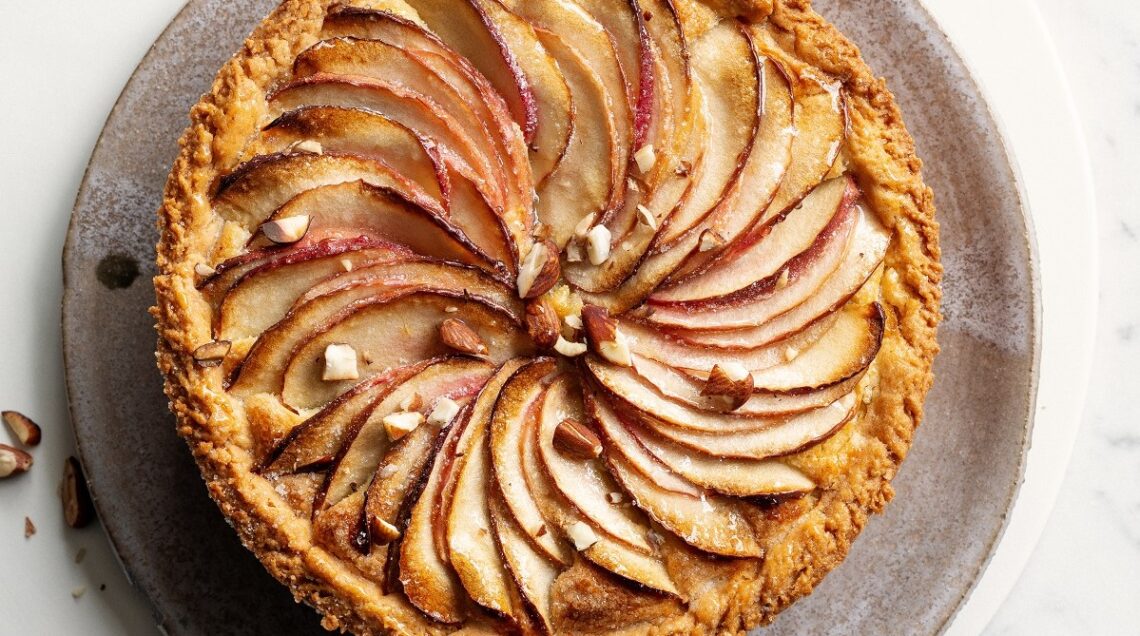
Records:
x=907, y=574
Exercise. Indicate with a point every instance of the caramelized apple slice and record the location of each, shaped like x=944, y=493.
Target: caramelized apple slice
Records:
x=418, y=316
x=820, y=122
x=691, y=352
x=765, y=251
x=258, y=187
x=427, y=579
x=584, y=483
x=314, y=444
x=519, y=398
x=590, y=178
x=400, y=474
x=624, y=23
x=533, y=572
x=687, y=387
x=794, y=434
x=707, y=521
x=363, y=133
x=464, y=26
x=471, y=543
x=357, y=208
x=641, y=565
x=552, y=99
x=731, y=476
x=393, y=100
x=365, y=446
x=845, y=351
x=864, y=253
x=264, y=294
x=762, y=172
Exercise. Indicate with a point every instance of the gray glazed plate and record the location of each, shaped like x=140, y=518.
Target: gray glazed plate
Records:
x=907, y=574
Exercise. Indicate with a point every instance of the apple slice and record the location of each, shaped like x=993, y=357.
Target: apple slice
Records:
x=865, y=252
x=590, y=179
x=463, y=78
x=315, y=443
x=470, y=533
x=420, y=272
x=820, y=122
x=521, y=395
x=254, y=190
x=362, y=133
x=263, y=295
x=390, y=496
x=843, y=353
x=764, y=299
x=708, y=521
x=365, y=446
x=583, y=483
x=730, y=74
x=356, y=208
x=420, y=313
x=690, y=352
x=553, y=107
x=641, y=565
x=427, y=579
x=390, y=99
x=471, y=32
x=730, y=476
x=624, y=23
x=764, y=169
x=686, y=388
x=533, y=571
x=794, y=434
x=766, y=250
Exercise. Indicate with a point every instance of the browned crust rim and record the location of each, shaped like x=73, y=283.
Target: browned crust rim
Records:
x=884, y=160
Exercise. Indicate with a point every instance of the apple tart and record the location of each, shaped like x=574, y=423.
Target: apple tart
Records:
x=559, y=316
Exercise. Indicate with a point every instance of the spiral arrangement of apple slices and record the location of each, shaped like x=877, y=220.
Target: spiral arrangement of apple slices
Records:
x=531, y=283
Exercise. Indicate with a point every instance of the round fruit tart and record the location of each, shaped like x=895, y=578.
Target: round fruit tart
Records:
x=547, y=316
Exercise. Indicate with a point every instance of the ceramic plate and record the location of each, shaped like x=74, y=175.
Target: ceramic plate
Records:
x=907, y=574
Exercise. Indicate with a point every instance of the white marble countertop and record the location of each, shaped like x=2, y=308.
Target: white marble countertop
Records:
x=1083, y=577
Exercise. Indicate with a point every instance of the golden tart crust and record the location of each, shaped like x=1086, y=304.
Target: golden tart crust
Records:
x=807, y=537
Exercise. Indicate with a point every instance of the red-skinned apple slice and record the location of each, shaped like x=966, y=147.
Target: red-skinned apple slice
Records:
x=365, y=445
x=470, y=533
x=553, y=107
x=689, y=353
x=258, y=187
x=356, y=208
x=641, y=565
x=729, y=71
x=585, y=484
x=427, y=579
x=707, y=521
x=762, y=172
x=422, y=309
x=766, y=250
x=532, y=571
x=393, y=100
x=793, y=434
x=467, y=29
x=686, y=388
x=625, y=26
x=363, y=133
x=418, y=271
x=316, y=441
x=263, y=295
x=628, y=389
x=820, y=122
x=520, y=396
x=589, y=179
x=418, y=315
x=864, y=254
x=735, y=477
x=843, y=353
x=398, y=475
x=463, y=78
